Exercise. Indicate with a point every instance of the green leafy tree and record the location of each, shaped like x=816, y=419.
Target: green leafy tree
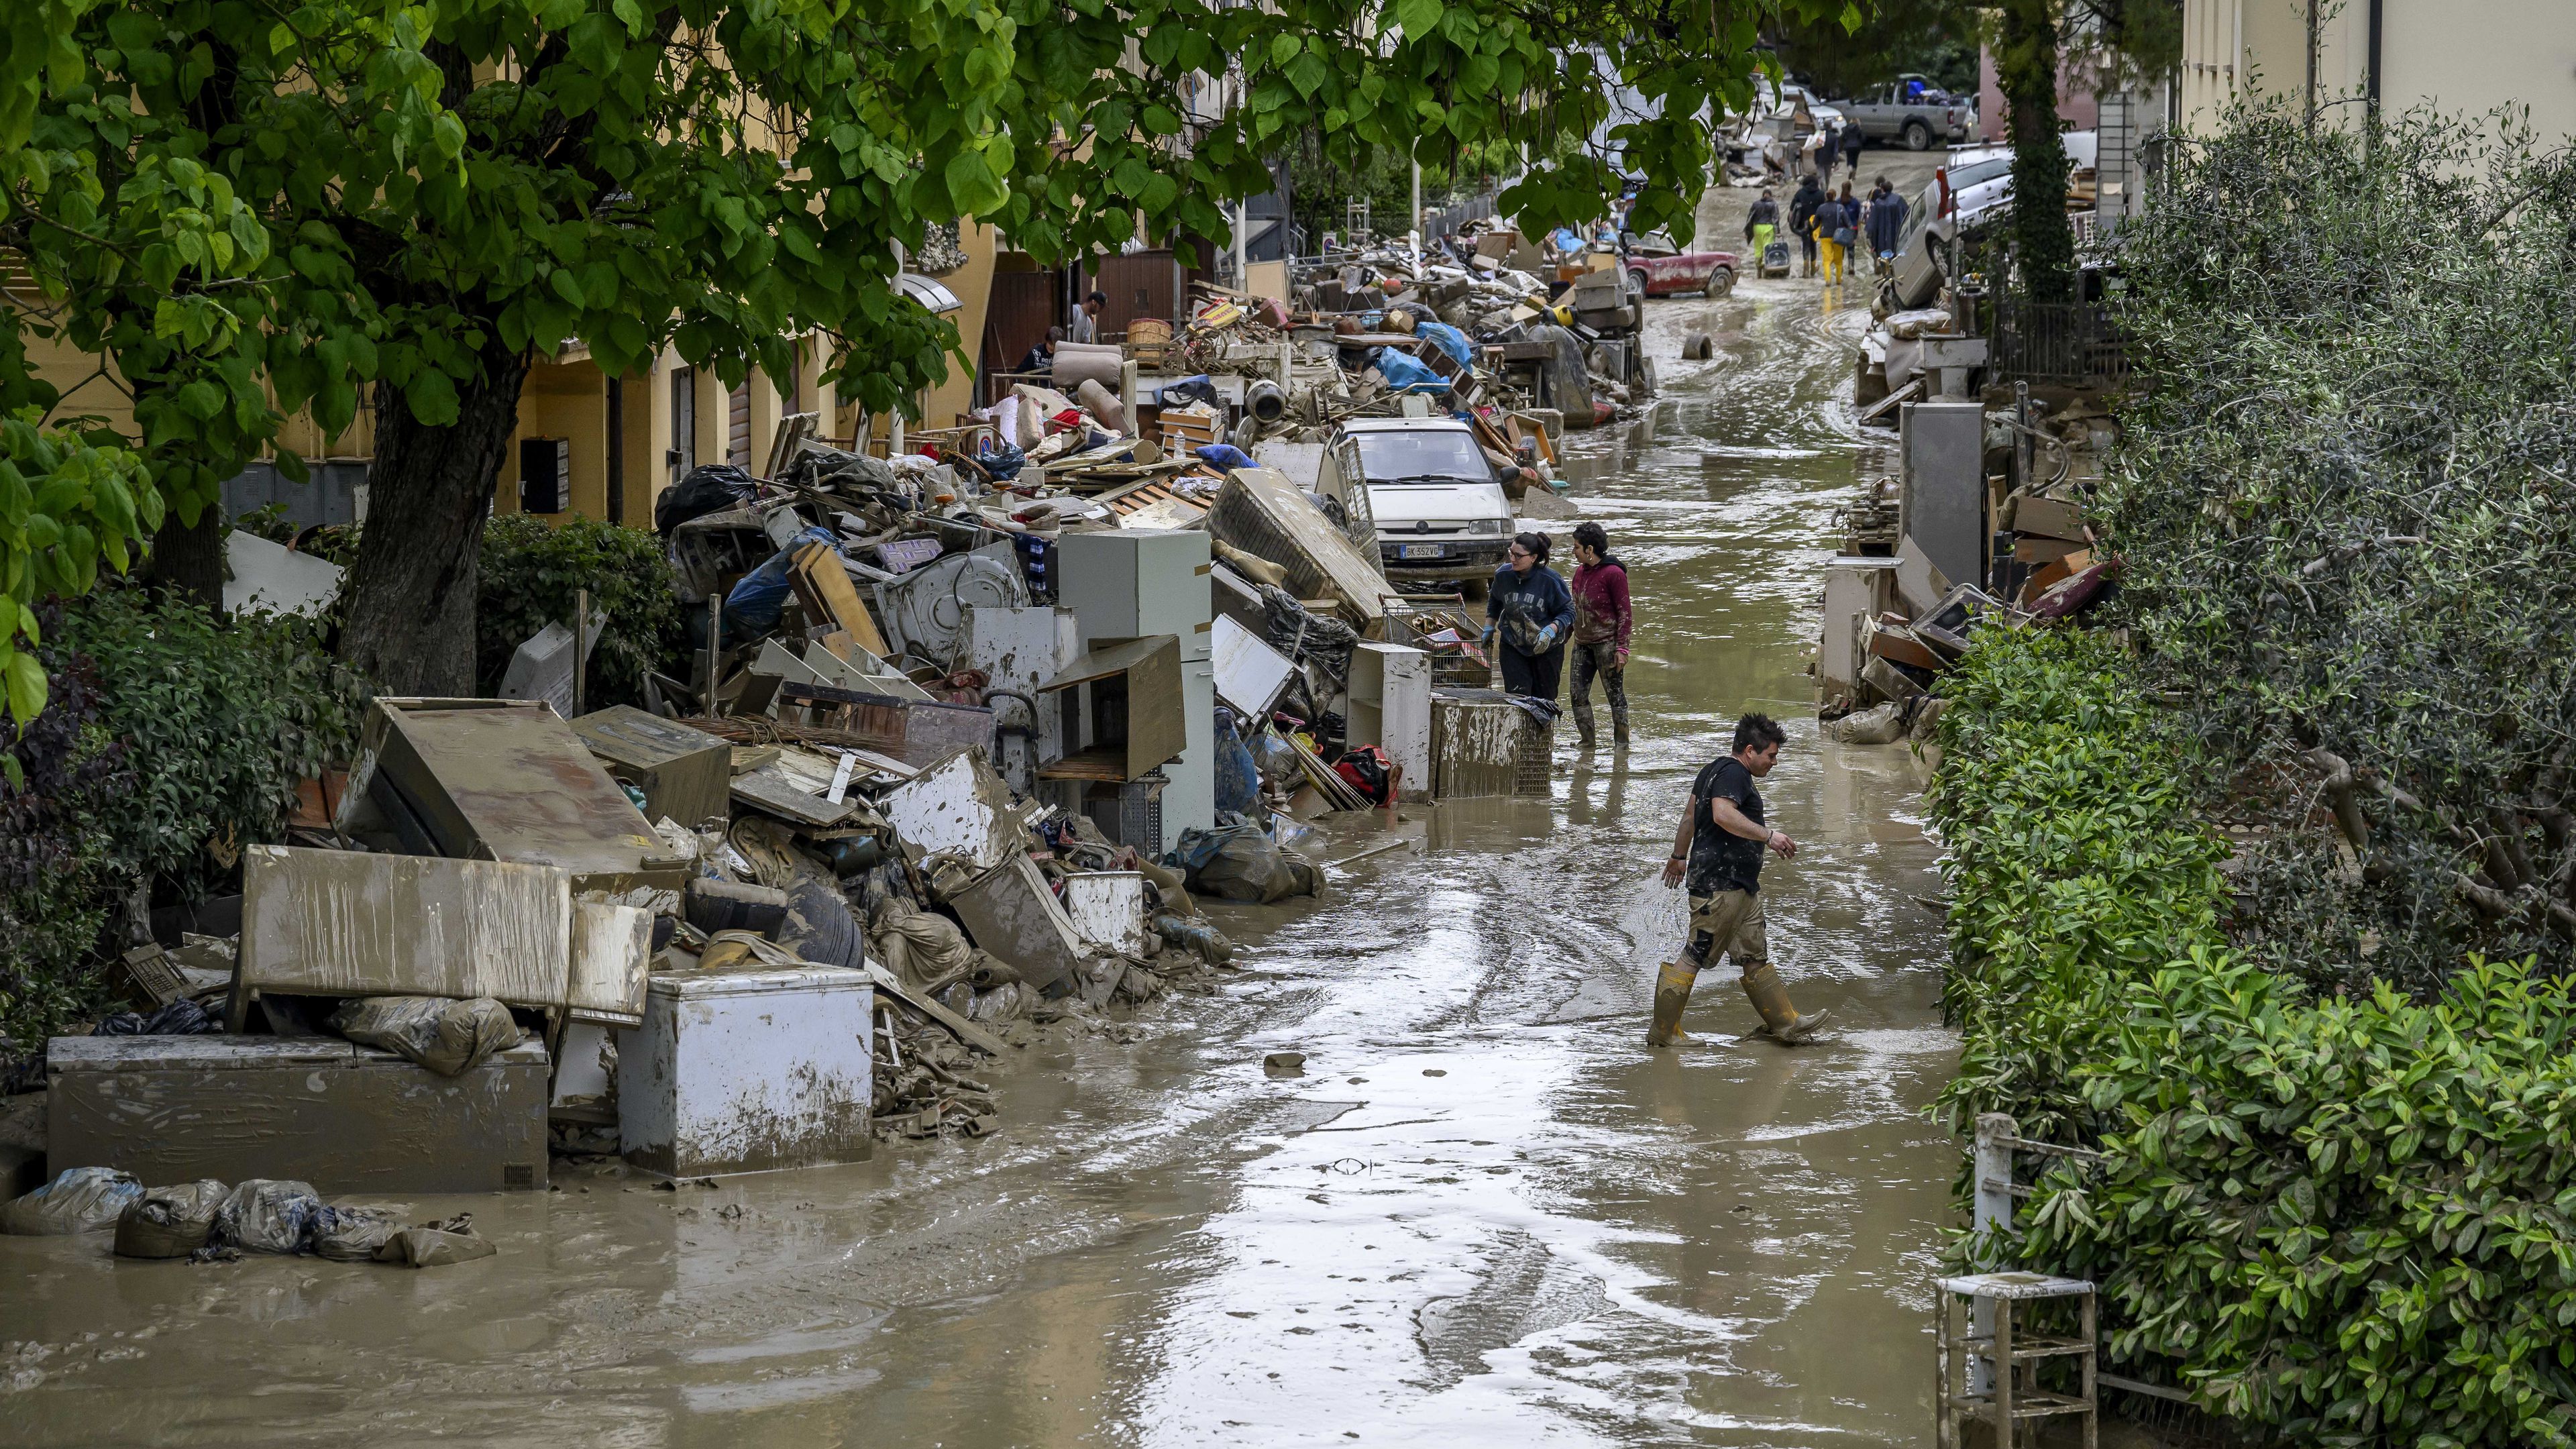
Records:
x=1933, y=38
x=2117, y=41
x=256, y=209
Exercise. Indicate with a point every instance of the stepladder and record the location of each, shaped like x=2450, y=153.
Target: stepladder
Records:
x=1989, y=1320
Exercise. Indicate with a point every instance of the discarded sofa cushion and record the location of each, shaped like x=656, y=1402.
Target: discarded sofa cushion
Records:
x=78, y=1200
x=920, y=947
x=448, y=1036
x=169, y=1222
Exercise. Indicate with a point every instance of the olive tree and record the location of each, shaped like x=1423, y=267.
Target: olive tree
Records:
x=2345, y=503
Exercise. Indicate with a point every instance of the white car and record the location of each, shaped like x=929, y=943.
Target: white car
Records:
x=1439, y=511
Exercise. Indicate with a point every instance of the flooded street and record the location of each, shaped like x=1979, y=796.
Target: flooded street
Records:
x=1484, y=1213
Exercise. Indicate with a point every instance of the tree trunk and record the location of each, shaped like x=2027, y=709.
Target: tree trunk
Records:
x=188, y=563
x=411, y=610
x=2026, y=70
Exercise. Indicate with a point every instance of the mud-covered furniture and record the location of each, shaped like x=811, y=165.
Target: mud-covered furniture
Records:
x=1989, y=1363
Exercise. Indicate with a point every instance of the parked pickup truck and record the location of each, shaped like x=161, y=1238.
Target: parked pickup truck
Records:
x=1906, y=110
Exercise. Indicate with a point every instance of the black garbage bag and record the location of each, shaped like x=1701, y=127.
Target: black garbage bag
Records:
x=1304, y=635
x=183, y=1017
x=1242, y=863
x=708, y=488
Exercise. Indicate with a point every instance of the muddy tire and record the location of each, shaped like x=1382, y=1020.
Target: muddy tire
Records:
x=1698, y=347
x=1720, y=282
x=1340, y=516
x=1637, y=281
x=1918, y=136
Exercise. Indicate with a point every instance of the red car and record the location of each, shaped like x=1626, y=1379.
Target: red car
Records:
x=1660, y=269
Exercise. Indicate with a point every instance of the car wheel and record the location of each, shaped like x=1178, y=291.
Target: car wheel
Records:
x=1720, y=282
x=1334, y=510
x=1918, y=136
x=1638, y=281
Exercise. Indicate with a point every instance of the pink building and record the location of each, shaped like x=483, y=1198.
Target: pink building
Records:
x=2076, y=105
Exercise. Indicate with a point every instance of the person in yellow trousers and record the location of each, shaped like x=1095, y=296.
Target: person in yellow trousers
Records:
x=1718, y=851
x=1829, y=223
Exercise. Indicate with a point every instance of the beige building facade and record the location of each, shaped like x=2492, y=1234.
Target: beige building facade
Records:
x=2459, y=56
x=629, y=437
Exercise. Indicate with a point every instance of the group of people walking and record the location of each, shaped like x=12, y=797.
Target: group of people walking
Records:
x=1829, y=227
x=1534, y=617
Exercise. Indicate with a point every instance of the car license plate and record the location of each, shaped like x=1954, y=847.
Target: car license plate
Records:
x=1421, y=550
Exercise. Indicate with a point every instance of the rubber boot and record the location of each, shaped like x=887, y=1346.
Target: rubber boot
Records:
x=1619, y=725
x=1672, y=993
x=1763, y=987
x=1583, y=721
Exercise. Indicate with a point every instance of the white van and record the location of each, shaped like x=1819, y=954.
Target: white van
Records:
x=1439, y=510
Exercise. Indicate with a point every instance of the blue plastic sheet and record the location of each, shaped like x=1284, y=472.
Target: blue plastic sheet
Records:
x=1448, y=339
x=1226, y=456
x=752, y=609
x=1407, y=373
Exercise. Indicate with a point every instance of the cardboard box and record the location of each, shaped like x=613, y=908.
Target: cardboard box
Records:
x=2048, y=517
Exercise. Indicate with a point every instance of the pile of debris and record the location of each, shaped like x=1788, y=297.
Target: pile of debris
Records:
x=1894, y=622
x=1516, y=329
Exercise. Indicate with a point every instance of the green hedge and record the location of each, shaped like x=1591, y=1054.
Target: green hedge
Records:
x=2344, y=1219
x=530, y=573
x=170, y=734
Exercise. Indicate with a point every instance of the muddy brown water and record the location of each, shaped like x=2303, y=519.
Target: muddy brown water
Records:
x=1482, y=1215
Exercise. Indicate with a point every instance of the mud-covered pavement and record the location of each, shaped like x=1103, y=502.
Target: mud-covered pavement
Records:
x=1483, y=1214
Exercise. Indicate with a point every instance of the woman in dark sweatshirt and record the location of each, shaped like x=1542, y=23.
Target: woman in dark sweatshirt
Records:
x=1530, y=615
x=1602, y=623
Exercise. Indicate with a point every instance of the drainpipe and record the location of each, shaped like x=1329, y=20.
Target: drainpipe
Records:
x=2370, y=62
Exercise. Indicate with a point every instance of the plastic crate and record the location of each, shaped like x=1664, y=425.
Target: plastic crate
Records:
x=1130, y=814
x=1534, y=764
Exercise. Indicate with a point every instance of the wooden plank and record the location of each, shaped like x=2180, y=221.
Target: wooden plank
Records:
x=958, y=1026
x=824, y=587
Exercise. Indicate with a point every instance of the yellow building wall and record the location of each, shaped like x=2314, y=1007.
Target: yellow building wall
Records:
x=569, y=399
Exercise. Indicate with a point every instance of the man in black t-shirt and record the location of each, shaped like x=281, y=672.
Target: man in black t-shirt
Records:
x=1718, y=850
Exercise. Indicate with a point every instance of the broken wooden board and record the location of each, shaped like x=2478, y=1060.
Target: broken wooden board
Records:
x=792, y=786
x=823, y=586
x=958, y=1026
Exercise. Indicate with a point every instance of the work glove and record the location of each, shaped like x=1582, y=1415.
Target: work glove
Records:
x=1486, y=638
x=1546, y=639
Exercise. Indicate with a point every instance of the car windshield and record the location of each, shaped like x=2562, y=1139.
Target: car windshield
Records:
x=1422, y=457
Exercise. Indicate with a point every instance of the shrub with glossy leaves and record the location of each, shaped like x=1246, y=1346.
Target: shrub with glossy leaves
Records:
x=2350, y=1219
